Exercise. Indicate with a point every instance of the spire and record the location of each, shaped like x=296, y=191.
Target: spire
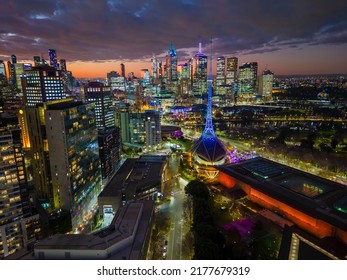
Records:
x=208, y=131
x=200, y=47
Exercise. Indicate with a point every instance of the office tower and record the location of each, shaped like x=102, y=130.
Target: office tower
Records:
x=109, y=151
x=247, y=82
x=18, y=227
x=145, y=128
x=12, y=73
x=122, y=70
x=73, y=157
x=220, y=73
x=13, y=59
x=37, y=60
x=3, y=69
x=160, y=70
x=200, y=72
x=145, y=77
x=53, y=61
x=123, y=119
x=19, y=73
x=153, y=128
x=265, y=85
x=43, y=83
x=63, y=65
x=154, y=68
x=184, y=67
x=101, y=95
x=171, y=65
x=231, y=70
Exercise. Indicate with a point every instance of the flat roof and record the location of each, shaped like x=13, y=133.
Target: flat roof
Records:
x=122, y=227
x=313, y=195
x=116, y=183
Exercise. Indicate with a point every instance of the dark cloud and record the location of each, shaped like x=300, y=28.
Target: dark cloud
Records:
x=134, y=29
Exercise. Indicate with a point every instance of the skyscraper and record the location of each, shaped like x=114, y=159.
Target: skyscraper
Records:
x=200, y=72
x=247, y=82
x=109, y=151
x=73, y=157
x=265, y=85
x=220, y=77
x=171, y=65
x=3, y=69
x=154, y=61
x=145, y=77
x=43, y=83
x=231, y=70
x=122, y=70
x=53, y=60
x=17, y=225
x=101, y=95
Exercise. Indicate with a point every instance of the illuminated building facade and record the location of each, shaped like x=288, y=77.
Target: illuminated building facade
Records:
x=101, y=95
x=220, y=77
x=247, y=82
x=3, y=69
x=53, y=61
x=73, y=157
x=171, y=65
x=18, y=227
x=208, y=150
x=314, y=204
x=200, y=72
x=265, y=85
x=144, y=129
x=145, y=77
x=231, y=70
x=43, y=83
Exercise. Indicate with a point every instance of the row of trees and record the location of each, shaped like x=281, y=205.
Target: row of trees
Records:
x=209, y=242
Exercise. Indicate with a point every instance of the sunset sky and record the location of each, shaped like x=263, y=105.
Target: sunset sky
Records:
x=287, y=37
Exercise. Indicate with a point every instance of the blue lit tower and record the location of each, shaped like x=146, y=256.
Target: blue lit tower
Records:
x=208, y=150
x=53, y=58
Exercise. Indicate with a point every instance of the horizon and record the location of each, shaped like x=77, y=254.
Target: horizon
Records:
x=94, y=38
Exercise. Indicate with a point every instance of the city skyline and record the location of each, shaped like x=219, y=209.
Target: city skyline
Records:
x=300, y=37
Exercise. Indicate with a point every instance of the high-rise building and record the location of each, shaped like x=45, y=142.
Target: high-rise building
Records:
x=220, y=73
x=19, y=73
x=109, y=151
x=13, y=59
x=73, y=157
x=154, y=68
x=53, y=60
x=63, y=65
x=3, y=69
x=37, y=60
x=122, y=70
x=171, y=65
x=200, y=72
x=101, y=95
x=231, y=70
x=145, y=128
x=145, y=77
x=247, y=82
x=265, y=85
x=17, y=225
x=43, y=83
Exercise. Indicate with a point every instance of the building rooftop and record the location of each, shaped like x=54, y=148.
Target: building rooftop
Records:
x=130, y=222
x=313, y=195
